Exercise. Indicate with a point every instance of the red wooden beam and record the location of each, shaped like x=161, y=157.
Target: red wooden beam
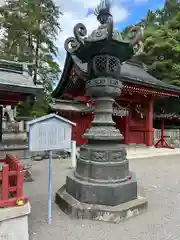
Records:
x=11, y=96
x=9, y=93
x=131, y=99
x=82, y=98
x=155, y=92
x=8, y=98
x=6, y=102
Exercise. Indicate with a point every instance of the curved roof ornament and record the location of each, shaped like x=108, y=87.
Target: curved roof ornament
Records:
x=104, y=39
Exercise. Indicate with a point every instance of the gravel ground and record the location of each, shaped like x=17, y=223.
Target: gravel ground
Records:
x=161, y=178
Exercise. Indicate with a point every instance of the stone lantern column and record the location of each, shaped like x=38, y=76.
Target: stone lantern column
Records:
x=102, y=181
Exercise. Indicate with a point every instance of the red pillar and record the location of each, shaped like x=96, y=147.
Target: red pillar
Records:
x=126, y=130
x=149, y=122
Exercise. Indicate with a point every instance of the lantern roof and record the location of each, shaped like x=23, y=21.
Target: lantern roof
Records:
x=104, y=40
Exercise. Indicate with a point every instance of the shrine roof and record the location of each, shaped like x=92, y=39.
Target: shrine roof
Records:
x=132, y=72
x=15, y=77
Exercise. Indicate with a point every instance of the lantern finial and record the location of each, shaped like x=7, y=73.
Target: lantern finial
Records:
x=103, y=11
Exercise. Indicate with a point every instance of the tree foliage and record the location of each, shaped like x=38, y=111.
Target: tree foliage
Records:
x=162, y=48
x=162, y=42
x=30, y=29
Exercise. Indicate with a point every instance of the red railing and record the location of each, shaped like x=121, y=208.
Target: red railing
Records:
x=11, y=182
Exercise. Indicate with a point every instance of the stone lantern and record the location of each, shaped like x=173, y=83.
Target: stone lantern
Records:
x=102, y=181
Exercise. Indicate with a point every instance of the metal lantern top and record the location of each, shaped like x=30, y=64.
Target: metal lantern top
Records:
x=104, y=40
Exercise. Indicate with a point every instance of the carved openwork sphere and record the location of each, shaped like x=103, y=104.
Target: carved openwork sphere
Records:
x=105, y=65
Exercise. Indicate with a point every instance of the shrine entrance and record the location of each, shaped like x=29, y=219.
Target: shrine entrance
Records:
x=135, y=122
x=133, y=119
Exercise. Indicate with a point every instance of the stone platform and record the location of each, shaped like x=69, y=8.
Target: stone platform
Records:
x=14, y=222
x=115, y=214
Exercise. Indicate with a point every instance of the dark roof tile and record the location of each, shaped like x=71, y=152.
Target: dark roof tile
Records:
x=14, y=77
x=136, y=73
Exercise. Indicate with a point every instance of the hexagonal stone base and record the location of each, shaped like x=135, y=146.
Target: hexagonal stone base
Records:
x=116, y=214
x=98, y=193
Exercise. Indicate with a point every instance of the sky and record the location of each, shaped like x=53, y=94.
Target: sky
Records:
x=125, y=12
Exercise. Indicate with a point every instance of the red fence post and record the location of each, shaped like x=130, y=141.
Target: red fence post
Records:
x=5, y=182
x=12, y=167
x=20, y=180
x=12, y=176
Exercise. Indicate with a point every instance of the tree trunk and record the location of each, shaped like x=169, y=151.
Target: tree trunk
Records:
x=36, y=59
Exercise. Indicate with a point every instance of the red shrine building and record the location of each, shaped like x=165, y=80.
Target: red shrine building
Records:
x=16, y=86
x=133, y=109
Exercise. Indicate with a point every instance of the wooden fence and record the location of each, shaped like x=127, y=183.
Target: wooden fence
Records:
x=11, y=180
x=173, y=138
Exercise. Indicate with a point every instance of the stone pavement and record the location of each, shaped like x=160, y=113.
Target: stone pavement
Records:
x=146, y=152
x=161, y=179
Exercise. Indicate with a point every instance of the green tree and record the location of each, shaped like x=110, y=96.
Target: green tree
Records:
x=162, y=43
x=162, y=49
x=171, y=9
x=162, y=46
x=30, y=30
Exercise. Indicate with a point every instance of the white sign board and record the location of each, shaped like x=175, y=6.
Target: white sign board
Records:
x=49, y=133
x=120, y=112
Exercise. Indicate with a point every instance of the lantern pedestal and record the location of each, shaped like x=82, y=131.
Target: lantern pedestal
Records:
x=115, y=214
x=102, y=187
